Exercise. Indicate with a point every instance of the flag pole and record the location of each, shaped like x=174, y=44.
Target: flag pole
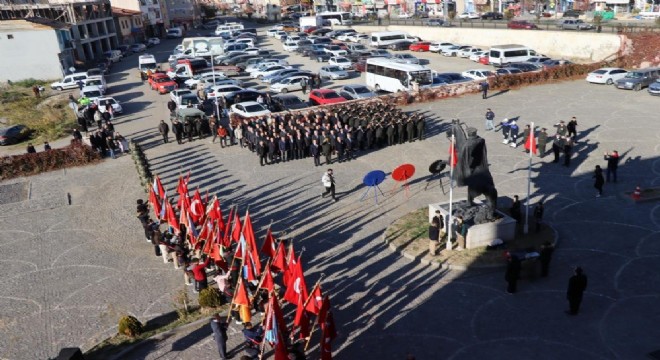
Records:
x=532, y=142
x=309, y=339
x=233, y=297
x=451, y=190
x=261, y=281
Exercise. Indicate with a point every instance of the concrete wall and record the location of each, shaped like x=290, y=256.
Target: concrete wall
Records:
x=21, y=59
x=573, y=45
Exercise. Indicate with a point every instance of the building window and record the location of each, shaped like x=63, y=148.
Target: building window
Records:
x=10, y=36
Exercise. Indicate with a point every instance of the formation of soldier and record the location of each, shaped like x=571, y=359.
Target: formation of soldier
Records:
x=336, y=132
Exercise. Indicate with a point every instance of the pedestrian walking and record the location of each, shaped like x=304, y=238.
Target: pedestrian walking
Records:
x=164, y=130
x=538, y=215
x=577, y=284
x=513, y=133
x=328, y=181
x=219, y=328
x=612, y=165
x=506, y=129
x=572, y=128
x=598, y=180
x=490, y=116
x=484, y=89
x=542, y=142
x=177, y=128
x=545, y=255
x=512, y=274
x=568, y=148
x=303, y=84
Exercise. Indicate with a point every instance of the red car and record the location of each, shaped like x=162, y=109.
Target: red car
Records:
x=484, y=60
x=162, y=83
x=521, y=24
x=420, y=46
x=309, y=29
x=324, y=97
x=360, y=66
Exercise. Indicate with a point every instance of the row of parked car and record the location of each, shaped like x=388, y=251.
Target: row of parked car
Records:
x=629, y=80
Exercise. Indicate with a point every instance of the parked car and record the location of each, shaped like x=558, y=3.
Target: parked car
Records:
x=333, y=72
x=187, y=100
x=320, y=55
x=136, y=48
x=356, y=38
x=245, y=95
x=405, y=59
x=574, y=24
x=341, y=62
x=654, y=88
x=400, y=45
x=434, y=22
x=438, y=47
x=125, y=50
x=548, y=64
x=215, y=91
x=13, y=134
x=283, y=102
x=521, y=24
x=465, y=53
x=492, y=16
x=469, y=16
x=420, y=46
x=526, y=67
x=267, y=70
x=162, y=83
x=360, y=66
x=454, y=50
x=335, y=50
x=380, y=53
x=249, y=109
x=288, y=84
x=572, y=13
x=113, y=55
x=277, y=74
x=478, y=74
x=508, y=71
x=175, y=94
x=476, y=56
x=70, y=81
x=153, y=41
x=606, y=75
x=537, y=60
x=325, y=96
x=638, y=79
x=356, y=91
x=116, y=107
x=449, y=78
x=91, y=92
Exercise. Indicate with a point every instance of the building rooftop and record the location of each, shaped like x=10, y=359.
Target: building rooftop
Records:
x=124, y=12
x=33, y=23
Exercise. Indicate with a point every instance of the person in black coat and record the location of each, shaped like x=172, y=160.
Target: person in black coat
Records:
x=545, y=255
x=219, y=328
x=557, y=147
x=31, y=149
x=178, y=131
x=315, y=152
x=340, y=147
x=599, y=181
x=434, y=236
x=512, y=274
x=327, y=151
x=272, y=148
x=515, y=209
x=262, y=150
x=164, y=130
x=577, y=284
x=189, y=128
x=283, y=147
x=568, y=148
x=612, y=165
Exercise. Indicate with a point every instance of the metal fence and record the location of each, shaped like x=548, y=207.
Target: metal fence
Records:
x=609, y=27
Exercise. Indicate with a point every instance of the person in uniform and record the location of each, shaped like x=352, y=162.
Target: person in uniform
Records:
x=315, y=152
x=557, y=147
x=542, y=142
x=327, y=151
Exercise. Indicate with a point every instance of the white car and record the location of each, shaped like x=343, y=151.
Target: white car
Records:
x=341, y=61
x=255, y=66
x=251, y=51
x=267, y=70
x=606, y=75
x=205, y=79
x=335, y=50
x=478, y=55
x=175, y=94
x=91, y=92
x=272, y=32
x=249, y=109
x=288, y=84
x=437, y=47
x=465, y=53
x=214, y=91
x=344, y=36
x=469, y=15
x=280, y=35
x=452, y=51
x=477, y=74
x=404, y=16
x=333, y=72
x=290, y=46
x=153, y=41
x=116, y=108
x=356, y=37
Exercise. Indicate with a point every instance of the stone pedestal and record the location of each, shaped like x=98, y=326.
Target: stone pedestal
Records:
x=480, y=235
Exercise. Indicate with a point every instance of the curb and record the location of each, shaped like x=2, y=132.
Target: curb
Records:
x=443, y=266
x=166, y=334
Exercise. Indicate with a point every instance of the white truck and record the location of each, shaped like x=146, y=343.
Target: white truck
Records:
x=203, y=46
x=147, y=62
x=310, y=21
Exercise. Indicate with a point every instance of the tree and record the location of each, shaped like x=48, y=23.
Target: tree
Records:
x=208, y=11
x=249, y=10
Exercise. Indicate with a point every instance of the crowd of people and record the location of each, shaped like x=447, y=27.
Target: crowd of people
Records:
x=337, y=133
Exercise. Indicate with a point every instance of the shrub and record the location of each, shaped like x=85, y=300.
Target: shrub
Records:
x=76, y=154
x=210, y=298
x=130, y=326
x=28, y=83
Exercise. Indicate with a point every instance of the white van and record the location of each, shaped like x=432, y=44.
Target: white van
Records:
x=91, y=92
x=69, y=81
x=97, y=81
x=113, y=55
x=385, y=38
x=147, y=62
x=228, y=27
x=502, y=55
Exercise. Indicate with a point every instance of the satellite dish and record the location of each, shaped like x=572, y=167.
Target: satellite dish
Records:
x=437, y=166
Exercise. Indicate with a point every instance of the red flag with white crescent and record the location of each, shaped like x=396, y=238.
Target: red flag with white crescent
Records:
x=315, y=301
x=296, y=286
x=268, y=248
x=197, y=207
x=279, y=261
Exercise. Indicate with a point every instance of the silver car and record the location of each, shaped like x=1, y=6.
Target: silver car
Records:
x=333, y=72
x=356, y=91
x=405, y=59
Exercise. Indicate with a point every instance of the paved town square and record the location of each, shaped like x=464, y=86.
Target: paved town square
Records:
x=75, y=257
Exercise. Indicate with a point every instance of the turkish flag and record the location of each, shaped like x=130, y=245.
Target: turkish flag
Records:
x=530, y=144
x=171, y=217
x=279, y=262
x=267, y=282
x=158, y=187
x=155, y=203
x=315, y=301
x=197, y=207
x=301, y=320
x=268, y=248
x=241, y=297
x=253, y=255
x=236, y=233
x=288, y=269
x=329, y=333
x=453, y=156
x=296, y=287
